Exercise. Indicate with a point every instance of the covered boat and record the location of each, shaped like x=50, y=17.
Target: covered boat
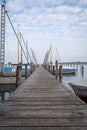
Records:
x=68, y=71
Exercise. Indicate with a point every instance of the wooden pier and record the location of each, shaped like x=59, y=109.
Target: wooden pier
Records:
x=43, y=103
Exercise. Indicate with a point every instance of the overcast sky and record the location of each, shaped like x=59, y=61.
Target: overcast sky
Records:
x=62, y=23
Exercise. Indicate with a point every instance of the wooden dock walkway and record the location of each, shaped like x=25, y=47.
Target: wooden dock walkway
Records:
x=43, y=103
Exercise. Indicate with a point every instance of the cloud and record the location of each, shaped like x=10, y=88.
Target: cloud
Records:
x=46, y=21
x=15, y=5
x=65, y=19
x=44, y=2
x=83, y=2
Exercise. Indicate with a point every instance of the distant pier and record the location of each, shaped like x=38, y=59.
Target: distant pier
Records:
x=43, y=103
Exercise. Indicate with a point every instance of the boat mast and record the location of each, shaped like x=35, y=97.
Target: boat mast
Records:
x=21, y=53
x=2, y=40
x=27, y=52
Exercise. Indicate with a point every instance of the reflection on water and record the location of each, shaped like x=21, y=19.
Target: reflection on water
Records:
x=4, y=96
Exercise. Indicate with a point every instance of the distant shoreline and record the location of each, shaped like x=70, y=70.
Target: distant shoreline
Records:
x=76, y=63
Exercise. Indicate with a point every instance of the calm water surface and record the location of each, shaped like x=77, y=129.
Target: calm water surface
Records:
x=74, y=78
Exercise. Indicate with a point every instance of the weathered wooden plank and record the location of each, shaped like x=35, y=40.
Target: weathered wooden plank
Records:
x=43, y=128
x=45, y=122
x=46, y=103
x=43, y=107
x=45, y=113
x=48, y=99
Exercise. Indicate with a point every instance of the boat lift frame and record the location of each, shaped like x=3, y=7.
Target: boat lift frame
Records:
x=2, y=39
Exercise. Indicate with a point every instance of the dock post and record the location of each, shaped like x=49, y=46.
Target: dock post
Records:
x=26, y=71
x=77, y=67
x=51, y=66
x=2, y=96
x=45, y=66
x=31, y=69
x=60, y=73
x=56, y=69
x=53, y=70
x=18, y=75
x=82, y=69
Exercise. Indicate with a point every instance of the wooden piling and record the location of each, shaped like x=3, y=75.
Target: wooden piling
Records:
x=26, y=71
x=51, y=66
x=60, y=73
x=77, y=67
x=45, y=66
x=2, y=96
x=82, y=69
x=53, y=70
x=18, y=75
x=31, y=69
x=56, y=69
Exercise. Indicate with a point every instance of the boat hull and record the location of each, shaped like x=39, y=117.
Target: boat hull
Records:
x=68, y=71
x=80, y=91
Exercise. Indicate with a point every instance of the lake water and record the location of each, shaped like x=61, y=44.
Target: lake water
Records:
x=78, y=75
x=67, y=79
x=74, y=78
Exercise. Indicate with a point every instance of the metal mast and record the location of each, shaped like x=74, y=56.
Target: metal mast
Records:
x=27, y=52
x=2, y=40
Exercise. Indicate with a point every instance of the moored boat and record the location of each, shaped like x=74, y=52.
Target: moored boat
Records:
x=68, y=71
x=80, y=89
